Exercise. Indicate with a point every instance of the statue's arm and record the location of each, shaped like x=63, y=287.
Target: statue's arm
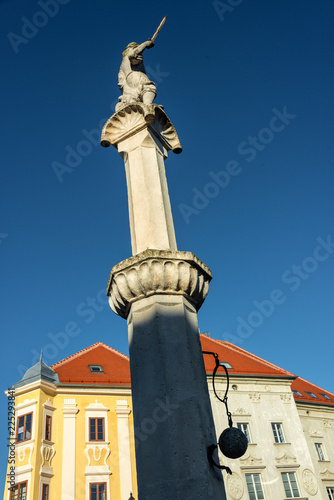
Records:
x=145, y=45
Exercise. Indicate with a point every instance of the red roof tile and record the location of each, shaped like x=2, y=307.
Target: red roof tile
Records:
x=304, y=389
x=75, y=369
x=242, y=362
x=116, y=368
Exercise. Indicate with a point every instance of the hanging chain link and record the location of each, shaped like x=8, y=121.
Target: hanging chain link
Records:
x=224, y=400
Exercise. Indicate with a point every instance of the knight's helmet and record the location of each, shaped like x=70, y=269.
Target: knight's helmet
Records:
x=129, y=46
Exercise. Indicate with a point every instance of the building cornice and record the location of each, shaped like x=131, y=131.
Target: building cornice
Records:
x=315, y=405
x=45, y=386
x=249, y=377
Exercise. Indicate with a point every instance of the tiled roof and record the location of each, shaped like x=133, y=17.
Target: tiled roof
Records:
x=304, y=391
x=241, y=361
x=75, y=369
x=116, y=368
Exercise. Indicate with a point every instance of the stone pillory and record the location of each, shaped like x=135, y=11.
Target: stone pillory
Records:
x=159, y=291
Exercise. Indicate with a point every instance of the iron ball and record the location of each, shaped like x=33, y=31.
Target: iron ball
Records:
x=232, y=442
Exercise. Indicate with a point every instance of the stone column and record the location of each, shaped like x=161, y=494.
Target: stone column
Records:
x=68, y=475
x=143, y=146
x=159, y=291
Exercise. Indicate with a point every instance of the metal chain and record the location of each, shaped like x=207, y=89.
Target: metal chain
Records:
x=224, y=400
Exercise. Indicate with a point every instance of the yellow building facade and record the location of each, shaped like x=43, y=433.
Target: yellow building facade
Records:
x=74, y=430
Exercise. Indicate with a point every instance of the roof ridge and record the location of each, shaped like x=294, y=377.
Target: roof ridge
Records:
x=87, y=349
x=249, y=354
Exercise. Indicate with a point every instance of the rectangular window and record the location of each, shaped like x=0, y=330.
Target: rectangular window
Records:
x=48, y=421
x=320, y=451
x=254, y=487
x=97, y=491
x=45, y=492
x=330, y=492
x=290, y=485
x=245, y=429
x=278, y=433
x=96, y=429
x=24, y=425
x=19, y=492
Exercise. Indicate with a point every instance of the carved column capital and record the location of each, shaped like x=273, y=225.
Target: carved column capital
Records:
x=152, y=272
x=137, y=116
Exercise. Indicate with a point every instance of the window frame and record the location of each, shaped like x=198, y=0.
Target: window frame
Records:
x=291, y=492
x=330, y=492
x=297, y=393
x=98, y=488
x=24, y=416
x=247, y=433
x=93, y=370
x=278, y=433
x=311, y=394
x=253, y=483
x=48, y=432
x=97, y=440
x=45, y=497
x=18, y=491
x=320, y=452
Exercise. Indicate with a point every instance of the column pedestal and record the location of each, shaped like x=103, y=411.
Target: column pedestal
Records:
x=159, y=292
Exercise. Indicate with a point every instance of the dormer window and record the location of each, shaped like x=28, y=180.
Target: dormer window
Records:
x=311, y=394
x=226, y=364
x=324, y=396
x=96, y=368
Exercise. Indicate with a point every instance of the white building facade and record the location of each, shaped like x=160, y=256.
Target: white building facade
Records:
x=291, y=438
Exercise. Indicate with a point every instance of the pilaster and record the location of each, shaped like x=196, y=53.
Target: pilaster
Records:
x=122, y=411
x=68, y=474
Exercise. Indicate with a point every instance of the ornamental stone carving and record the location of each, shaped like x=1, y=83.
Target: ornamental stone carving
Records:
x=21, y=452
x=327, y=475
x=250, y=461
x=315, y=433
x=255, y=397
x=235, y=486
x=48, y=452
x=241, y=412
x=135, y=117
x=309, y=482
x=96, y=454
x=327, y=423
x=286, y=398
x=153, y=272
x=286, y=459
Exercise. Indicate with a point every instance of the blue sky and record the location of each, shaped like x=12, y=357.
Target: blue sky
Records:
x=249, y=89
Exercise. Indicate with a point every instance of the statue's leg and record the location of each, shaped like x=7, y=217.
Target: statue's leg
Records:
x=148, y=96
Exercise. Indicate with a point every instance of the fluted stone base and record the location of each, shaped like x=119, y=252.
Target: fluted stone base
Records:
x=164, y=272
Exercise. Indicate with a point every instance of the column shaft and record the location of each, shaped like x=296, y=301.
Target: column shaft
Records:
x=150, y=212
x=172, y=412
